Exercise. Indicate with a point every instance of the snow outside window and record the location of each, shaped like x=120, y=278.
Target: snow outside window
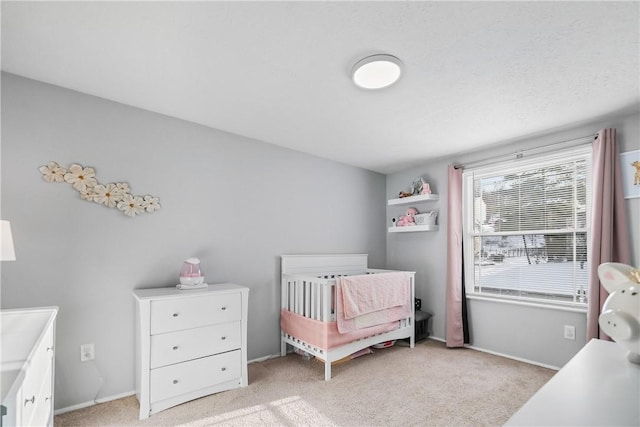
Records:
x=526, y=225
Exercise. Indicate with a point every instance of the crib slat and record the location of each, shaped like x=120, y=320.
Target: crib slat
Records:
x=292, y=294
x=314, y=311
x=299, y=294
x=326, y=303
x=316, y=299
x=307, y=298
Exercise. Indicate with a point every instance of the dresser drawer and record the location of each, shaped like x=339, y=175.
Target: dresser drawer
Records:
x=37, y=382
x=180, y=346
x=192, y=312
x=37, y=377
x=181, y=378
x=44, y=399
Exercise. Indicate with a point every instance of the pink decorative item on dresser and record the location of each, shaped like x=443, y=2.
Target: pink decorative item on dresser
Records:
x=191, y=276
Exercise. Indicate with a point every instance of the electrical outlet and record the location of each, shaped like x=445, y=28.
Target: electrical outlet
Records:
x=570, y=332
x=87, y=352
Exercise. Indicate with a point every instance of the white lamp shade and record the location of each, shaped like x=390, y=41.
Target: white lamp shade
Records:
x=6, y=239
x=376, y=71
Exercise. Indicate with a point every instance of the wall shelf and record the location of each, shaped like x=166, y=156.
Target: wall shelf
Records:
x=410, y=201
x=413, y=199
x=413, y=228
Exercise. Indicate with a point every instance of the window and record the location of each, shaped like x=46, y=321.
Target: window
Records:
x=526, y=228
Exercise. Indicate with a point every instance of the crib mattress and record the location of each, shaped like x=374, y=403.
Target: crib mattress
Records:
x=325, y=335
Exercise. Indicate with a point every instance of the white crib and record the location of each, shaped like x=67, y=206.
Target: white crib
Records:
x=308, y=290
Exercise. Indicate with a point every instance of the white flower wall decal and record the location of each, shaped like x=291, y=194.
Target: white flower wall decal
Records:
x=131, y=205
x=108, y=195
x=113, y=195
x=81, y=178
x=52, y=172
x=88, y=193
x=150, y=203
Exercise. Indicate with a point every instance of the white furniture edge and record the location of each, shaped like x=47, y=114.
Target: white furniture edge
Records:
x=413, y=199
x=413, y=228
x=597, y=387
x=21, y=373
x=143, y=340
x=323, y=263
x=16, y=382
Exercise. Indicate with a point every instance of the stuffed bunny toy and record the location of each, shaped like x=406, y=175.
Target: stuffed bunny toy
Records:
x=620, y=317
x=408, y=218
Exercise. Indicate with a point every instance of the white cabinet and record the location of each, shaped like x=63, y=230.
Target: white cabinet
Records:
x=27, y=366
x=189, y=343
x=413, y=200
x=598, y=387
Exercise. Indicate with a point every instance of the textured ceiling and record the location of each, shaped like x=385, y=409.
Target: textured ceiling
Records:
x=476, y=73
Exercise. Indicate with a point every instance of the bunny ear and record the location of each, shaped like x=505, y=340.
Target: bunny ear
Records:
x=614, y=276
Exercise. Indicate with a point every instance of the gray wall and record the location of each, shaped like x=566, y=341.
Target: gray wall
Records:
x=530, y=333
x=235, y=203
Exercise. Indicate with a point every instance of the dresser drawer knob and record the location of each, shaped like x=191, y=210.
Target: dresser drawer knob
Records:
x=175, y=381
x=223, y=369
x=32, y=400
x=175, y=347
x=223, y=338
x=175, y=314
x=223, y=308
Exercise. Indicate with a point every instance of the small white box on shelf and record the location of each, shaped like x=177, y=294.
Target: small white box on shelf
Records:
x=427, y=218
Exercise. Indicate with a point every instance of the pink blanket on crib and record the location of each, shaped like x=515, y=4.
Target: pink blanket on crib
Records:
x=373, y=299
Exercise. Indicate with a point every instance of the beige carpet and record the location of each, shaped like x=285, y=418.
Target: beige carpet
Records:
x=398, y=386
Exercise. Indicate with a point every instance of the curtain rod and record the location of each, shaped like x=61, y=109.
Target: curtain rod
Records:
x=519, y=154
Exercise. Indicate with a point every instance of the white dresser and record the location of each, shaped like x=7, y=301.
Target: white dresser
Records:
x=189, y=343
x=27, y=366
x=598, y=387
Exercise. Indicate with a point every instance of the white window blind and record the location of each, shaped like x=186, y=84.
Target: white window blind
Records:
x=526, y=228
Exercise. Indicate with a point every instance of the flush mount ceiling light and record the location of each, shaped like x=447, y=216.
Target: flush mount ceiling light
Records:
x=376, y=71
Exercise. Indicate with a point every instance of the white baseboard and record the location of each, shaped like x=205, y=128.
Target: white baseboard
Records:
x=131, y=393
x=507, y=356
x=93, y=402
x=262, y=359
x=519, y=359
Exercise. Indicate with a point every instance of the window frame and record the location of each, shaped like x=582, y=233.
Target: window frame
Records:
x=469, y=234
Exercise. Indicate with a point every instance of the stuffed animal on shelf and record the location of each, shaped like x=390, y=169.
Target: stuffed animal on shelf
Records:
x=620, y=317
x=426, y=189
x=407, y=219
